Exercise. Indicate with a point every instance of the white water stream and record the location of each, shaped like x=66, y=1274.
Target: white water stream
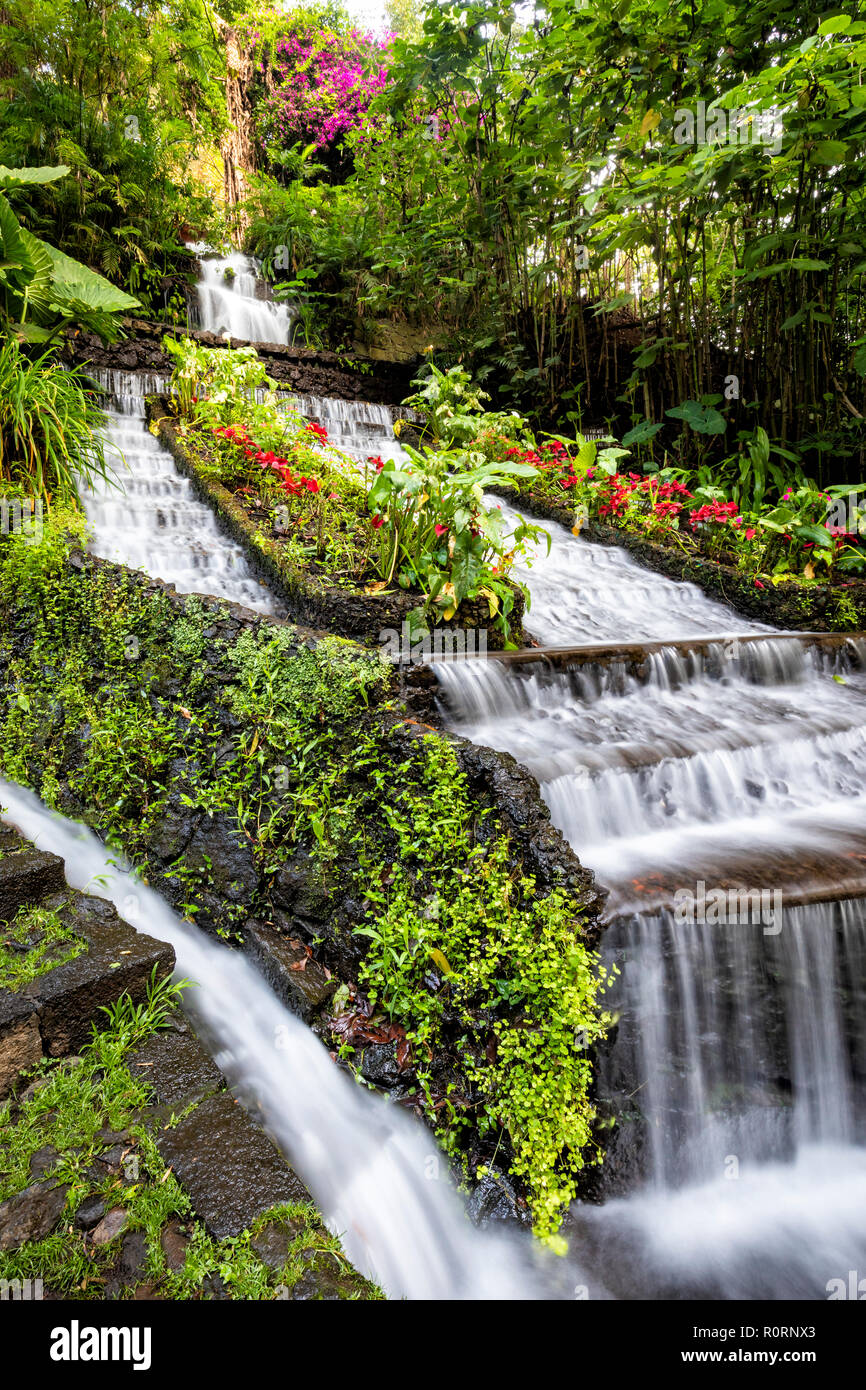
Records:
x=230, y=300
x=739, y=1067
x=375, y=1173
x=151, y=519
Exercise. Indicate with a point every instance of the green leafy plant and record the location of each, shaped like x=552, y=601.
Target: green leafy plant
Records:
x=41, y=289
x=51, y=436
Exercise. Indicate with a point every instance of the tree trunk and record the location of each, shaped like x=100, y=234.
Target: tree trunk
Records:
x=237, y=146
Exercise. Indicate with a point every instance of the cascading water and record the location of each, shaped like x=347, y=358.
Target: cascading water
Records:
x=360, y=428
x=377, y=1176
x=230, y=300
x=151, y=520
x=719, y=797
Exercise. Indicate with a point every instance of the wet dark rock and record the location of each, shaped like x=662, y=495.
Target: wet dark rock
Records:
x=177, y=1069
x=31, y=1215
x=43, y=1160
x=298, y=890
x=213, y=1288
x=300, y=981
x=175, y=1243
x=217, y=846
x=110, y=1226
x=272, y=1246
x=230, y=1168
x=495, y=1200
x=26, y=878
x=129, y=1265
x=109, y=1164
x=173, y=832
x=378, y=1063
x=68, y=1000
x=320, y=1282
x=107, y=1137
x=89, y=1214
x=310, y=371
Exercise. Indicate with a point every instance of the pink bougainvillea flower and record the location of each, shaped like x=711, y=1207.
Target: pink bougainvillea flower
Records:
x=751, y=533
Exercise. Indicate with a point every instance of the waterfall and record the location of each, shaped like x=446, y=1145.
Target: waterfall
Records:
x=376, y=1174
x=230, y=295
x=594, y=593
x=148, y=516
x=719, y=797
x=730, y=775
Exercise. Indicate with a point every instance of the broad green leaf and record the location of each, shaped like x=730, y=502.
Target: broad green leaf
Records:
x=78, y=286
x=17, y=178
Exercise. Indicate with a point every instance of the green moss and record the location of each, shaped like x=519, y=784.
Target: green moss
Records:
x=296, y=751
x=46, y=944
x=100, y=1091
x=482, y=954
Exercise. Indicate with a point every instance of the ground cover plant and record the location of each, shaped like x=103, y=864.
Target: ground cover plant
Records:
x=482, y=977
x=66, y=1116
x=417, y=523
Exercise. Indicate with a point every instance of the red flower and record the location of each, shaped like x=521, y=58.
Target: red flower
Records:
x=378, y=521
x=374, y=458
x=441, y=530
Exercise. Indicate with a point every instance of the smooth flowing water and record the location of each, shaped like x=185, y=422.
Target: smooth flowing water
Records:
x=231, y=300
x=719, y=797
x=376, y=1174
x=150, y=519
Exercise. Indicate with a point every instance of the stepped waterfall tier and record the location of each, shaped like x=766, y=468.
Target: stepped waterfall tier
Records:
x=719, y=798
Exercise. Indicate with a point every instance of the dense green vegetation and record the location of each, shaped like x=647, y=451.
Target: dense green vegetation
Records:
x=299, y=750
x=419, y=524
x=35, y=942
x=68, y=1106
x=622, y=242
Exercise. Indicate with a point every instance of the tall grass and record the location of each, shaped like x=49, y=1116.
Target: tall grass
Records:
x=51, y=439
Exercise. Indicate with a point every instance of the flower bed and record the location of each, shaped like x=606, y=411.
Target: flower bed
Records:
x=816, y=607
x=779, y=548
x=358, y=546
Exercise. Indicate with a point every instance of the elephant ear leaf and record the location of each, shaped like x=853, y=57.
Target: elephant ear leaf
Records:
x=76, y=282
x=37, y=293
x=18, y=178
x=14, y=265
x=79, y=293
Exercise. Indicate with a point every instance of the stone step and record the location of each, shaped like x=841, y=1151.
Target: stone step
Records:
x=27, y=875
x=51, y=1015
